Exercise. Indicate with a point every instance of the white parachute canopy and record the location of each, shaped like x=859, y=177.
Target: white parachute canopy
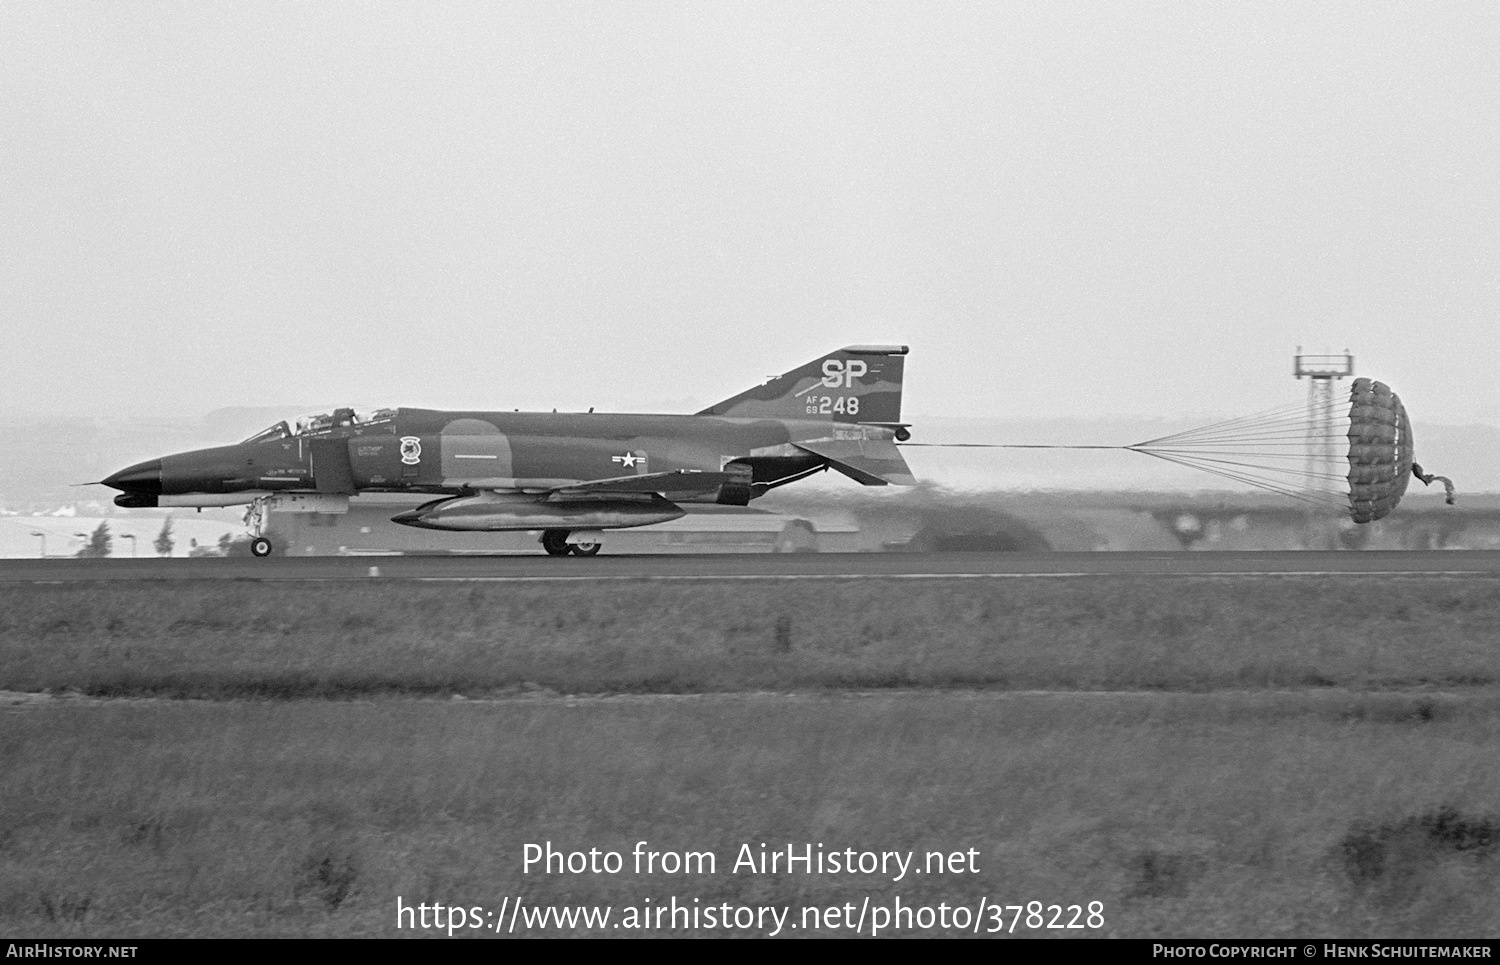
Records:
x=1352, y=453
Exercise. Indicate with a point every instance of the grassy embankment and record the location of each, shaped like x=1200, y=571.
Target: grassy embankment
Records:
x=1185, y=814
x=1328, y=770
x=231, y=640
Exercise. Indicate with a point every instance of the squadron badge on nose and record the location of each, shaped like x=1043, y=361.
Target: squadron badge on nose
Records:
x=411, y=450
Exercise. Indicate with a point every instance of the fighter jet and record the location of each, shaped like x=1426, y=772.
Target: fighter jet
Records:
x=572, y=476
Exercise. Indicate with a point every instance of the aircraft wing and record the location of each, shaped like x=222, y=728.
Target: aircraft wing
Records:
x=873, y=462
x=674, y=482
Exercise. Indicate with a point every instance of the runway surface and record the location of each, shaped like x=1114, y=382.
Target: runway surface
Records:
x=797, y=566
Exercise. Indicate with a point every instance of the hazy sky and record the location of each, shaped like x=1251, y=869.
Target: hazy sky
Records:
x=1064, y=208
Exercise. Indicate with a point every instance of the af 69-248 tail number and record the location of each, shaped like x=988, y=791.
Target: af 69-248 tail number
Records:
x=833, y=404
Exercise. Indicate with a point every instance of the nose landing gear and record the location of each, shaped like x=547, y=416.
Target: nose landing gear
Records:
x=255, y=521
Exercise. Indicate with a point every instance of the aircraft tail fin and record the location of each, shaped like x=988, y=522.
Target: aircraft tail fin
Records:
x=857, y=383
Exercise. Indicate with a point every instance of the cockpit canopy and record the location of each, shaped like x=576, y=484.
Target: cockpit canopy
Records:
x=322, y=423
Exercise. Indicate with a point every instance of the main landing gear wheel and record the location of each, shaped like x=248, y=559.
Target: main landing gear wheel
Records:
x=260, y=546
x=586, y=549
x=555, y=542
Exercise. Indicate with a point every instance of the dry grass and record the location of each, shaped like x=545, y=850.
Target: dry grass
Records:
x=1187, y=815
x=219, y=639
x=1289, y=757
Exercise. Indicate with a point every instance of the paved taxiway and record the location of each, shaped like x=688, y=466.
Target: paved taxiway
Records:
x=741, y=567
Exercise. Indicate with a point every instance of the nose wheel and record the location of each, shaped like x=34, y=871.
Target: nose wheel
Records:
x=255, y=522
x=586, y=549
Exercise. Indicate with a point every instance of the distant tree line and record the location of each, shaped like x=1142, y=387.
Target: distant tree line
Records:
x=100, y=543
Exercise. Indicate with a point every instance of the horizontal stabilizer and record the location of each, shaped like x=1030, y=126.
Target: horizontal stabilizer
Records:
x=873, y=462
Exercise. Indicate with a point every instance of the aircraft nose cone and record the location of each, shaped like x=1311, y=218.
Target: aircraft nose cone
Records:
x=143, y=477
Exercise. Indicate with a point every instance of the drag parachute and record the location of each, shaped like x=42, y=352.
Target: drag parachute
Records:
x=1352, y=453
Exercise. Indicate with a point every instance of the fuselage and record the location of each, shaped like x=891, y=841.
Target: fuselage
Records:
x=570, y=475
x=446, y=452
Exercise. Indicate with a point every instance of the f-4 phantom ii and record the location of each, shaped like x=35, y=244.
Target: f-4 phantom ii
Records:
x=569, y=475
